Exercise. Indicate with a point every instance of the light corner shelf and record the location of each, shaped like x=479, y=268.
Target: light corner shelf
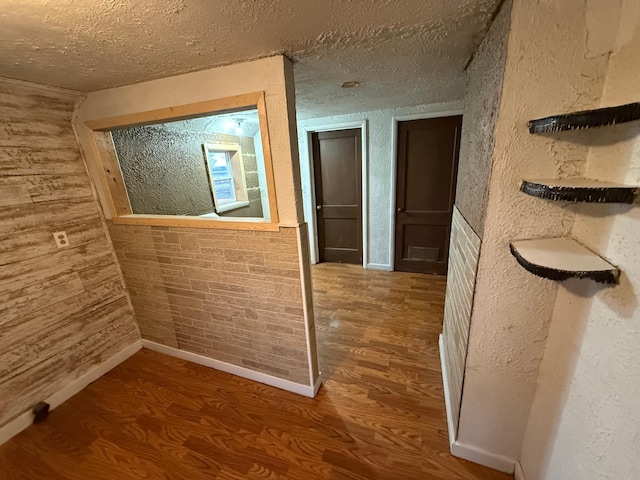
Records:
x=582, y=190
x=562, y=258
x=600, y=117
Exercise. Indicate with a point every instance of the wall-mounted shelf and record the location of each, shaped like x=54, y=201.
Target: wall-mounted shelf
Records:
x=580, y=190
x=562, y=258
x=599, y=117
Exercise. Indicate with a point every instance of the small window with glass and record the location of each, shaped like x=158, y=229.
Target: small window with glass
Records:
x=206, y=165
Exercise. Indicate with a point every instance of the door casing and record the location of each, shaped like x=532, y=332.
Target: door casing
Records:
x=313, y=237
x=394, y=145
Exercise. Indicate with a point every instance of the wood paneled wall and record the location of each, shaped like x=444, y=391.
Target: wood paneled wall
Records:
x=62, y=311
x=231, y=295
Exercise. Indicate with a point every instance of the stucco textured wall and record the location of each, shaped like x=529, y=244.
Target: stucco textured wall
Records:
x=482, y=100
x=554, y=64
x=380, y=177
x=585, y=420
x=166, y=174
x=484, y=87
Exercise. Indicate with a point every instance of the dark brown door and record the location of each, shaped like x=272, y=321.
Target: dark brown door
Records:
x=425, y=190
x=337, y=162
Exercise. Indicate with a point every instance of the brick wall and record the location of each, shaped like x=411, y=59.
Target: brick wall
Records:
x=461, y=280
x=231, y=295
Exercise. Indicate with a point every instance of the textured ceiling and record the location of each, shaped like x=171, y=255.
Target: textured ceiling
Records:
x=403, y=52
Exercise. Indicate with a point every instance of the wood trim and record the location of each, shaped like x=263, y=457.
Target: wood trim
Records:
x=178, y=112
x=108, y=167
x=237, y=165
x=310, y=212
x=266, y=154
x=195, y=222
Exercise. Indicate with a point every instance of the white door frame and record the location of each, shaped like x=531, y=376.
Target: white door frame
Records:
x=394, y=169
x=313, y=234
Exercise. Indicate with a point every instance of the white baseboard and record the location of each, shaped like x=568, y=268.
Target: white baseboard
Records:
x=317, y=385
x=468, y=452
x=23, y=421
x=447, y=397
x=478, y=455
x=306, y=390
x=379, y=266
x=519, y=472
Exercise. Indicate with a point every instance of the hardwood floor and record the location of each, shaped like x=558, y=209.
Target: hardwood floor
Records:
x=380, y=414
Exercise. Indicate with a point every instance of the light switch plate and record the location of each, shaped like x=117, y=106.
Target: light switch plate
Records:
x=61, y=239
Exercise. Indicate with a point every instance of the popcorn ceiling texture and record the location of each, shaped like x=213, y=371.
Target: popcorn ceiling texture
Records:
x=166, y=174
x=403, y=52
x=553, y=65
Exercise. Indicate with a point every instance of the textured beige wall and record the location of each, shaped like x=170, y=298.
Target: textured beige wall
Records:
x=585, y=420
x=481, y=104
x=554, y=64
x=62, y=311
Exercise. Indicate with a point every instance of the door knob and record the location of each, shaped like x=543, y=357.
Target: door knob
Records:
x=400, y=209
x=318, y=207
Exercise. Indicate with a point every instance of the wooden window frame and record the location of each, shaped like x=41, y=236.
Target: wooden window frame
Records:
x=236, y=163
x=120, y=206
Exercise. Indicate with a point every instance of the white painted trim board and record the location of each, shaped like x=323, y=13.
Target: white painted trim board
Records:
x=305, y=310
x=26, y=419
x=519, y=472
x=447, y=398
x=313, y=234
x=462, y=450
x=305, y=390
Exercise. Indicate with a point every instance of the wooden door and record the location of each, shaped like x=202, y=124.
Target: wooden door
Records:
x=337, y=162
x=425, y=190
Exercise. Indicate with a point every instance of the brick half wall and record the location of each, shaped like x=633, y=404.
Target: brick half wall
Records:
x=461, y=280
x=234, y=296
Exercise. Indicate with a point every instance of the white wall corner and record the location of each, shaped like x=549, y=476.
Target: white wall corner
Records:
x=478, y=455
x=18, y=424
x=447, y=399
x=305, y=390
x=519, y=472
x=461, y=450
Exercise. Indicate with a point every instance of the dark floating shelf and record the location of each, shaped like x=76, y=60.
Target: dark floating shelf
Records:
x=600, y=117
x=580, y=190
x=562, y=258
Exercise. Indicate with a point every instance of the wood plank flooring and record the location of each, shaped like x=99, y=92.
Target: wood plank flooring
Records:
x=380, y=414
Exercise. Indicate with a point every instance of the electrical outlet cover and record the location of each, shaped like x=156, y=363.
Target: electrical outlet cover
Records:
x=61, y=239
